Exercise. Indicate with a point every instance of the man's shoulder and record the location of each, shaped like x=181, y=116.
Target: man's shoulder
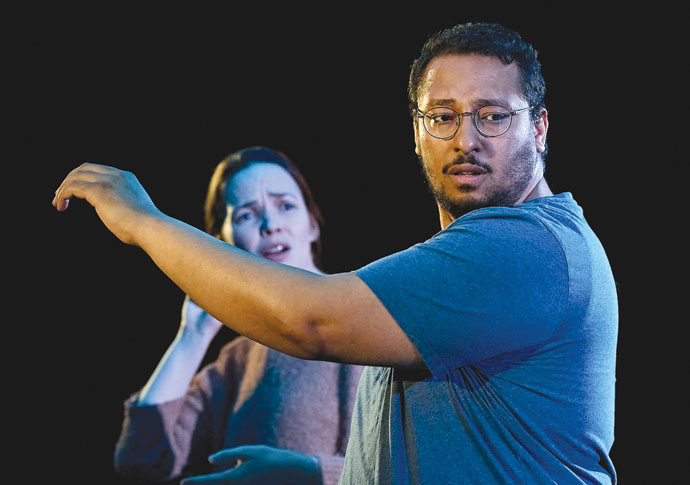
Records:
x=490, y=237
x=558, y=205
x=545, y=217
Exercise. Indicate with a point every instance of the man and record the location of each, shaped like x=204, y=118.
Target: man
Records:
x=491, y=345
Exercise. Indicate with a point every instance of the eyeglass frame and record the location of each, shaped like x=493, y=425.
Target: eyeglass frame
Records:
x=474, y=114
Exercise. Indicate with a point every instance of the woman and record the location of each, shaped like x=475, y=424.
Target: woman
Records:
x=278, y=419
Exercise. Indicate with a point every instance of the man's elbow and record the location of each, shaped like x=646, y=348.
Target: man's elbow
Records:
x=317, y=340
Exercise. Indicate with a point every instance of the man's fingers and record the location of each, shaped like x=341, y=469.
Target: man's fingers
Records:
x=226, y=459
x=74, y=188
x=86, y=172
x=230, y=456
x=79, y=184
x=82, y=181
x=92, y=167
x=96, y=167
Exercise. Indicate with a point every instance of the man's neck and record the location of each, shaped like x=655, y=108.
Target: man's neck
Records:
x=540, y=189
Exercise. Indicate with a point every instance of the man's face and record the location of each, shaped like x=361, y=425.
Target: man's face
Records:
x=470, y=171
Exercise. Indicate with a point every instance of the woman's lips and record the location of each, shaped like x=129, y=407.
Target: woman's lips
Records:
x=275, y=252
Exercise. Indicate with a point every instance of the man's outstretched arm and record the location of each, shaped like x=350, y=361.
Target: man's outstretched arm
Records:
x=324, y=317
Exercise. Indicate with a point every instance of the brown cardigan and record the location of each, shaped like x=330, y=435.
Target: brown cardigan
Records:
x=249, y=395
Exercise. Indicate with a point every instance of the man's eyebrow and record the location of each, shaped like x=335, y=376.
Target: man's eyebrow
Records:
x=490, y=102
x=477, y=103
x=442, y=102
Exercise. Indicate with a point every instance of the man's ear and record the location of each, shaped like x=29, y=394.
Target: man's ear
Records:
x=416, y=136
x=541, y=126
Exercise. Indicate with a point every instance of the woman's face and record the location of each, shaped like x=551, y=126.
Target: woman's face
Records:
x=267, y=216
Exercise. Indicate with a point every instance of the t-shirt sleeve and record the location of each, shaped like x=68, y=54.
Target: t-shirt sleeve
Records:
x=492, y=282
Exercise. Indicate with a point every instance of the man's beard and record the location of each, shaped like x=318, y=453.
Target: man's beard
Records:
x=518, y=175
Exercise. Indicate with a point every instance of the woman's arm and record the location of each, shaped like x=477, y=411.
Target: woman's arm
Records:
x=164, y=440
x=180, y=362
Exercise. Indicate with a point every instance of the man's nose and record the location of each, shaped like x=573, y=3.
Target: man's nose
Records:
x=467, y=139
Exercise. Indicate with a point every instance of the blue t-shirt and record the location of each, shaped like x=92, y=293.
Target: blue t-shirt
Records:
x=514, y=311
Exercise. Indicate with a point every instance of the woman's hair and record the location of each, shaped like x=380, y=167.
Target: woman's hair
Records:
x=215, y=210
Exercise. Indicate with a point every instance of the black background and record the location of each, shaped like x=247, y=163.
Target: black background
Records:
x=167, y=89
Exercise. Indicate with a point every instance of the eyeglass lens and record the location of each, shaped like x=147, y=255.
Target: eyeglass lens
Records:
x=489, y=120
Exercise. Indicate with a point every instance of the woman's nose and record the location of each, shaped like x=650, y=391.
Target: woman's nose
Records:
x=270, y=223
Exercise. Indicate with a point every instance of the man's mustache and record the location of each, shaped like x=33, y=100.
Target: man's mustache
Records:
x=469, y=159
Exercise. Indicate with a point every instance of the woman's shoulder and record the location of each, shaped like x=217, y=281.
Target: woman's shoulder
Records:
x=242, y=352
x=238, y=348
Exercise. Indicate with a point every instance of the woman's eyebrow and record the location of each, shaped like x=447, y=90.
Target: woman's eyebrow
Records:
x=281, y=194
x=275, y=195
x=246, y=205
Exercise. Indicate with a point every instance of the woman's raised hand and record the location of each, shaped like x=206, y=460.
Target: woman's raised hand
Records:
x=196, y=321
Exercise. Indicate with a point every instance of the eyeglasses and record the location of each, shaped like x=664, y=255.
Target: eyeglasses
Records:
x=490, y=121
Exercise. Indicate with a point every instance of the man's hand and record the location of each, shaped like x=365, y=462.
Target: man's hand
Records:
x=260, y=464
x=118, y=197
